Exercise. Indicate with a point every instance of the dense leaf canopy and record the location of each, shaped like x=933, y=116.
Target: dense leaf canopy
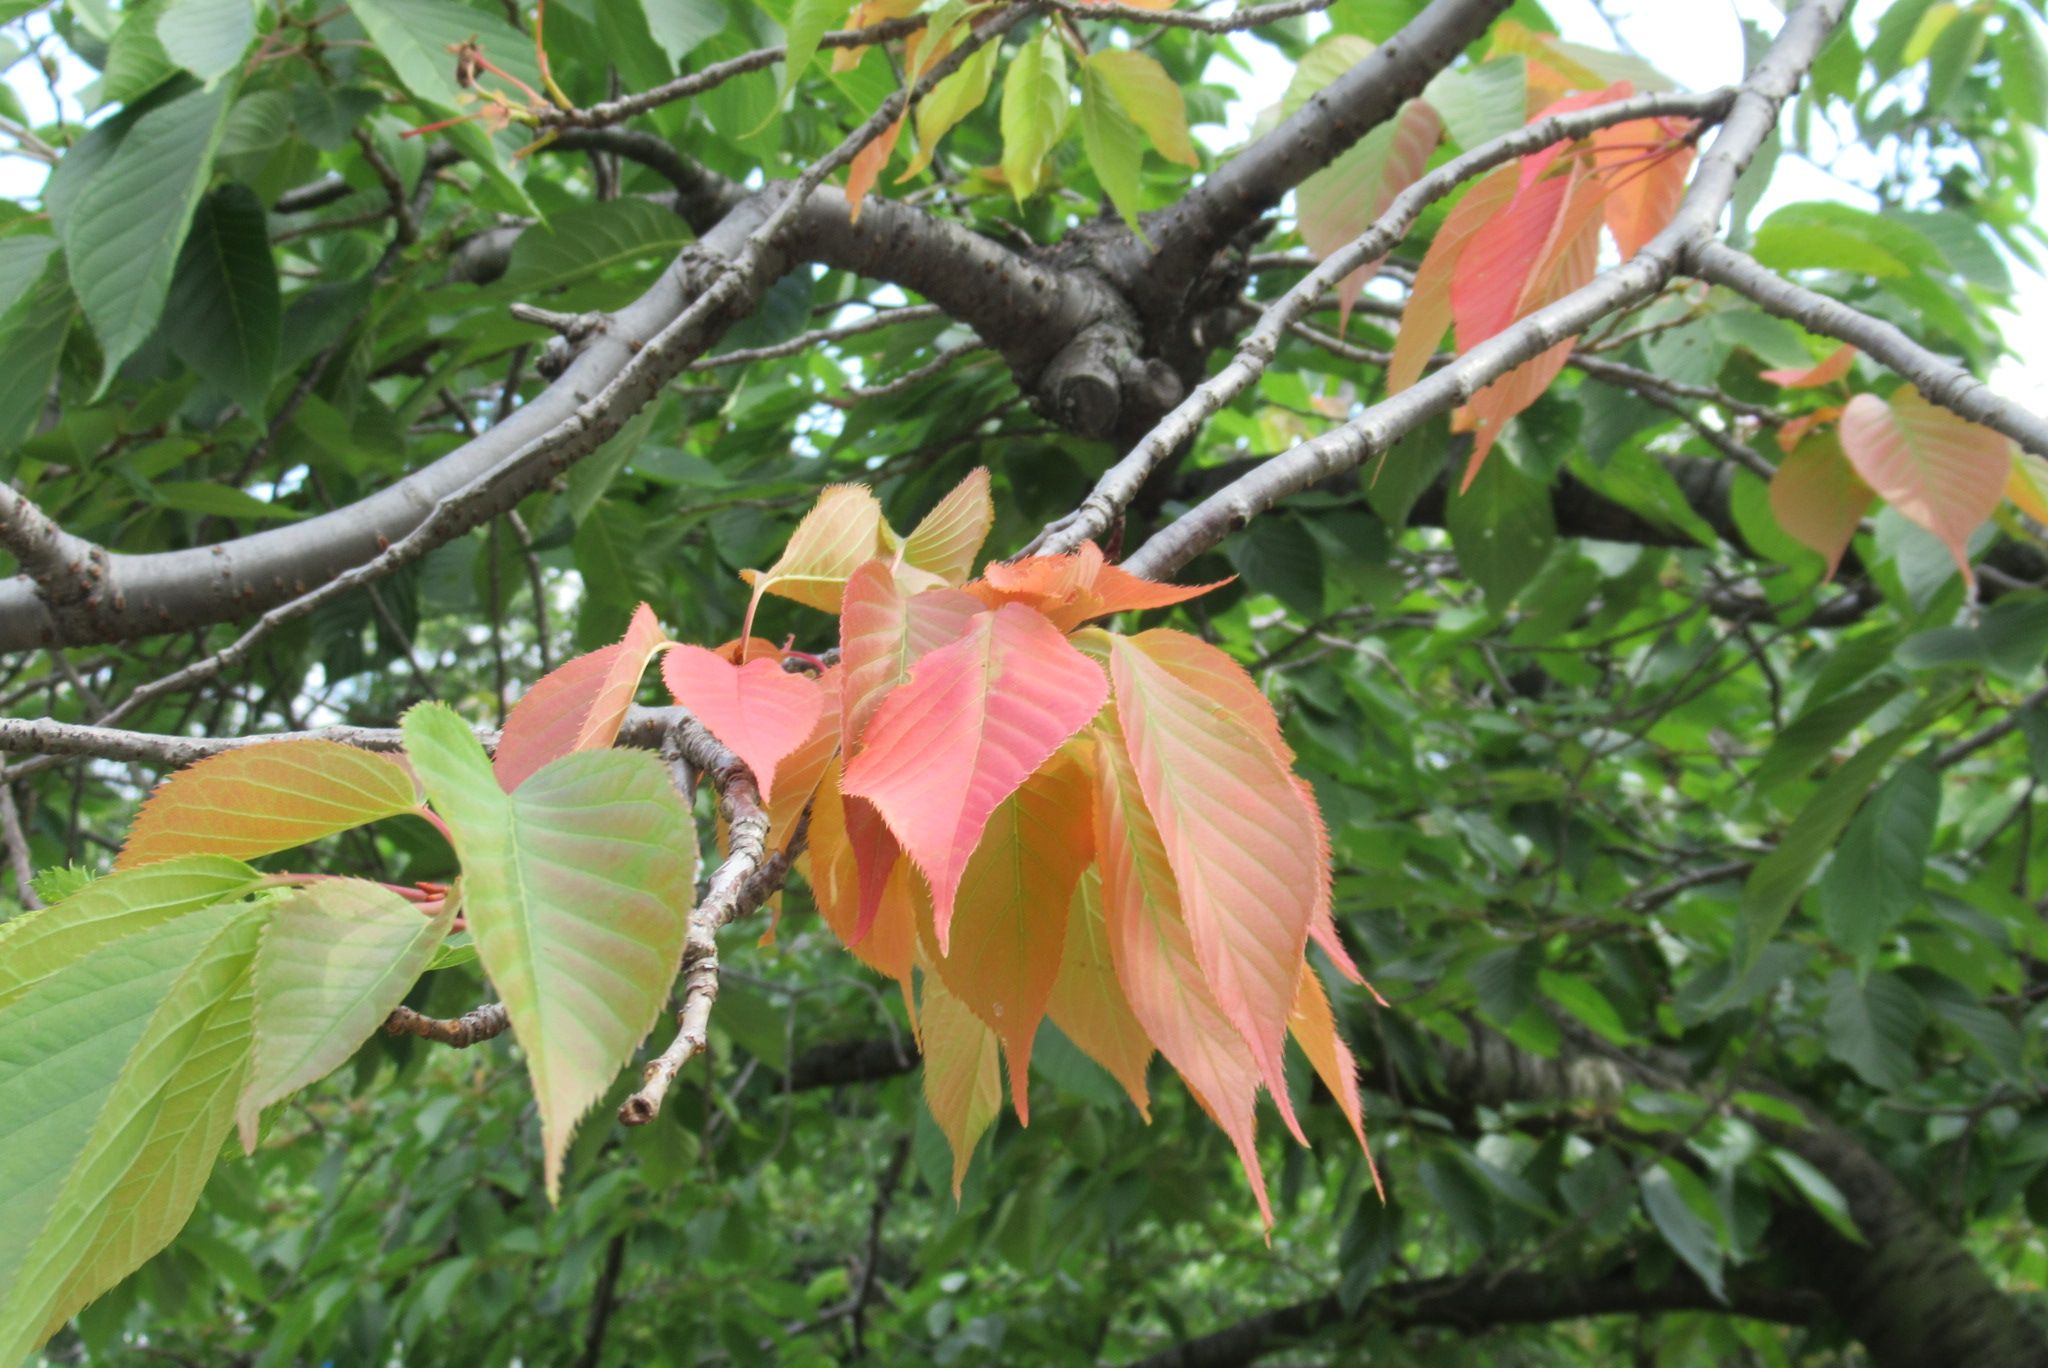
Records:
x=1126, y=538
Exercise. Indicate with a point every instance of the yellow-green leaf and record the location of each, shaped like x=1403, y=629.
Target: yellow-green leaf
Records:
x=1035, y=100
x=1150, y=97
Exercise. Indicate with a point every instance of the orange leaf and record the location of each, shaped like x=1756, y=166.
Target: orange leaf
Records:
x=867, y=167
x=579, y=705
x=963, y=1080
x=974, y=720
x=1087, y=1002
x=760, y=711
x=1644, y=187
x=797, y=773
x=889, y=946
x=1943, y=472
x=883, y=631
x=1315, y=1028
x=1795, y=429
x=2027, y=486
x=1010, y=921
x=842, y=531
x=1819, y=499
x=1322, y=922
x=876, y=859
x=1241, y=843
x=264, y=798
x=945, y=542
x=1073, y=588
x=1155, y=960
x=1813, y=377
x=1427, y=315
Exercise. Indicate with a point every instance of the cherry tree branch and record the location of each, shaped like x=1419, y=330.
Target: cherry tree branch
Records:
x=1941, y=380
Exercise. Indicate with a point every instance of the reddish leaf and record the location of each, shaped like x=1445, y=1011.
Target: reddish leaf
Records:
x=1813, y=377
x=1342, y=201
x=890, y=943
x=259, y=799
x=1819, y=499
x=1644, y=187
x=884, y=629
x=1322, y=923
x=876, y=858
x=1087, y=1002
x=1154, y=956
x=1010, y=920
x=1795, y=429
x=975, y=719
x=1073, y=588
x=1427, y=315
x=797, y=773
x=1315, y=1028
x=946, y=541
x=760, y=711
x=579, y=705
x=1943, y=472
x=1536, y=163
x=867, y=167
x=963, y=1080
x=1241, y=842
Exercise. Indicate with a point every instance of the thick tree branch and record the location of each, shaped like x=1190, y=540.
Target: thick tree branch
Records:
x=1194, y=229
x=1941, y=380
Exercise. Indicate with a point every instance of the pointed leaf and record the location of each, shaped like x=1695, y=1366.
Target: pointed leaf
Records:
x=1087, y=1003
x=798, y=773
x=266, y=797
x=1943, y=472
x=884, y=630
x=947, y=539
x=889, y=945
x=842, y=531
x=950, y=101
x=1344, y=199
x=1115, y=147
x=103, y=1159
x=1644, y=187
x=336, y=958
x=759, y=710
x=37, y=944
x=579, y=705
x=1818, y=498
x=207, y=37
x=576, y=887
x=976, y=718
x=1149, y=97
x=1035, y=101
x=1010, y=921
x=1428, y=313
x=1071, y=589
x=1155, y=960
x=1880, y=861
x=1315, y=1029
x=223, y=316
x=1813, y=377
x=2027, y=486
x=963, y=1079
x=866, y=168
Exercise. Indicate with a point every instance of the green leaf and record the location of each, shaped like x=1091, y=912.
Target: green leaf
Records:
x=590, y=477
x=1035, y=100
x=418, y=38
x=32, y=337
x=1681, y=1208
x=1874, y=880
x=950, y=101
x=577, y=244
x=136, y=61
x=1814, y=733
x=1954, y=52
x=1580, y=997
x=123, y=226
x=207, y=37
x=1839, y=237
x=576, y=887
x=1871, y=1026
x=218, y=501
x=679, y=25
x=103, y=1159
x=1503, y=530
x=1145, y=93
x=23, y=258
x=42, y=943
x=808, y=22
x=336, y=957
x=1116, y=150
x=1478, y=104
x=1819, y=1191
x=1278, y=556
x=223, y=316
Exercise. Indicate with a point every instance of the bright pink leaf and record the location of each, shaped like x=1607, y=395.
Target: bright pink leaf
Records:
x=759, y=710
x=579, y=705
x=975, y=719
x=1943, y=472
x=884, y=629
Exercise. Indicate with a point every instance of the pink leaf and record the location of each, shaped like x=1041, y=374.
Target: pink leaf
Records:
x=579, y=705
x=1942, y=471
x=1342, y=201
x=975, y=719
x=1813, y=377
x=1428, y=314
x=759, y=710
x=884, y=630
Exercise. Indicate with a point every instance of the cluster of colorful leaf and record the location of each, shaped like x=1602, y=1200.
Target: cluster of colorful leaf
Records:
x=1043, y=818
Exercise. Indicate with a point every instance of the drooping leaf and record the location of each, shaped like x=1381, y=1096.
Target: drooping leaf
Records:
x=947, y=539
x=1943, y=472
x=1874, y=879
x=2027, y=486
x=1813, y=377
x=336, y=957
x=1427, y=316
x=950, y=101
x=842, y=531
x=1341, y=201
x=797, y=774
x=578, y=705
x=1818, y=497
x=1074, y=588
x=1149, y=97
x=1314, y=1028
x=890, y=943
x=1689, y=1233
x=883, y=631
x=963, y=1078
x=1872, y=1025
x=1154, y=955
x=223, y=315
x=103, y=1159
x=1238, y=837
x=1034, y=115
x=124, y=223
x=1115, y=147
x=866, y=168
x=1087, y=1002
x=975, y=719
x=263, y=798
x=1010, y=920
x=759, y=710
x=1504, y=528
x=1644, y=182
x=576, y=886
